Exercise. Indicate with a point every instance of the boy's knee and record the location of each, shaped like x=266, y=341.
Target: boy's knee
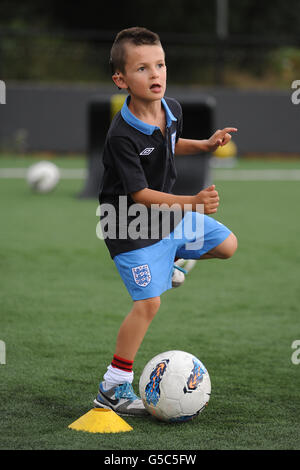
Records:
x=149, y=307
x=152, y=306
x=230, y=247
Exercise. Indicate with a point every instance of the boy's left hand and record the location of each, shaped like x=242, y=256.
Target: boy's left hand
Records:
x=220, y=138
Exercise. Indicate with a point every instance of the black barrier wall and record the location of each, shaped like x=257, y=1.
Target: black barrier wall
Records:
x=54, y=118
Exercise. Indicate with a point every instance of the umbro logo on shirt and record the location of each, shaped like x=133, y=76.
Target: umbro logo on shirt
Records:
x=147, y=151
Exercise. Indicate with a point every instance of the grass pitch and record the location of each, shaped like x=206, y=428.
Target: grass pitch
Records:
x=62, y=302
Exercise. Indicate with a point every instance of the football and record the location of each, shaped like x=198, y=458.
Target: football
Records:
x=43, y=176
x=175, y=386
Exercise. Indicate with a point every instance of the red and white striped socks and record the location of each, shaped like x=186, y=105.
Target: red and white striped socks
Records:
x=118, y=372
x=123, y=364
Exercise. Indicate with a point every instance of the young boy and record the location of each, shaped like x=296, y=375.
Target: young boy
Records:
x=139, y=166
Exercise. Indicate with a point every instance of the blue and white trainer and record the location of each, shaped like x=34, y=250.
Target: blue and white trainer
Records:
x=120, y=399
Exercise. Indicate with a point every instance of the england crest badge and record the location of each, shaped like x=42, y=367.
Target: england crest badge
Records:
x=142, y=275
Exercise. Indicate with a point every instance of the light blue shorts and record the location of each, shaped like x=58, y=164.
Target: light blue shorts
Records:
x=147, y=272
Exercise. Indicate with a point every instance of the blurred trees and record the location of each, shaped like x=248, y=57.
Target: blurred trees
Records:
x=70, y=41
x=268, y=17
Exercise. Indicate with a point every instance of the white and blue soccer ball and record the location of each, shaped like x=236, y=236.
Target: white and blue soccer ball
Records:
x=43, y=176
x=175, y=386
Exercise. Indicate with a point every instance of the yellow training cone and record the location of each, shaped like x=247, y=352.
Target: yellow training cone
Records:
x=100, y=420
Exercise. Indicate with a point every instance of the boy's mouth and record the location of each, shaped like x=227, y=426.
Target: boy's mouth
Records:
x=156, y=87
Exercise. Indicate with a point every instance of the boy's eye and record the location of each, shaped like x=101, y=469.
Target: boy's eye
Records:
x=141, y=69
x=161, y=65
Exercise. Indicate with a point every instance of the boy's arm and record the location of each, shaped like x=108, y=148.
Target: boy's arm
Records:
x=190, y=147
x=208, y=197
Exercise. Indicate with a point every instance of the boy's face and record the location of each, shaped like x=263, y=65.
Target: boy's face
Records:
x=145, y=72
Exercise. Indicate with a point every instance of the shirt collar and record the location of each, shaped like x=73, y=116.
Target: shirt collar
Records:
x=141, y=126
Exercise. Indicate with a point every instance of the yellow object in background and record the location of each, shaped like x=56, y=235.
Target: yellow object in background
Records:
x=224, y=157
x=116, y=103
x=228, y=150
x=100, y=420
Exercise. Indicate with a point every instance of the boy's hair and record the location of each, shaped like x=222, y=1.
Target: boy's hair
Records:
x=137, y=36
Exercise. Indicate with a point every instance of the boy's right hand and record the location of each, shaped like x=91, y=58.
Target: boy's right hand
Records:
x=209, y=197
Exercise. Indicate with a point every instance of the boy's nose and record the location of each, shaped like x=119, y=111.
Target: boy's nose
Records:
x=154, y=72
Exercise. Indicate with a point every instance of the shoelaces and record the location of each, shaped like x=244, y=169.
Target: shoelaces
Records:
x=125, y=391
x=179, y=269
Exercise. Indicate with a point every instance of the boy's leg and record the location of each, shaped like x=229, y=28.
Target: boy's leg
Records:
x=115, y=391
x=205, y=238
x=146, y=273
x=135, y=326
x=225, y=250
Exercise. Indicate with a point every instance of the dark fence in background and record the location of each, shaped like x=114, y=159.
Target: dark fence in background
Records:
x=55, y=117
x=82, y=56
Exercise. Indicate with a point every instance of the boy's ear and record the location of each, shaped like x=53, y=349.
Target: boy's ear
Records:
x=119, y=81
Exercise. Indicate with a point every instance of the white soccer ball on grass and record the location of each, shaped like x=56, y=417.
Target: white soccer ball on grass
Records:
x=175, y=386
x=43, y=176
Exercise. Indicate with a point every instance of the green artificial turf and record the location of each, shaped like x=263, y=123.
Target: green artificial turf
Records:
x=62, y=303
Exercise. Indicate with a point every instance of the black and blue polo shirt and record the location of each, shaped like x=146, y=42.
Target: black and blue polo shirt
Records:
x=137, y=156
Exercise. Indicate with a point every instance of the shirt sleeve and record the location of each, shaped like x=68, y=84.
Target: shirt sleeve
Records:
x=127, y=164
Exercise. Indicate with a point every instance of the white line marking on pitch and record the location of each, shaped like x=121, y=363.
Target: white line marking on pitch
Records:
x=229, y=175
x=257, y=175
x=21, y=173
